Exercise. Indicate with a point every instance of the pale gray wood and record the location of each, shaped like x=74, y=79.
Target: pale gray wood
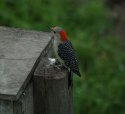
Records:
x=20, y=52
x=6, y=107
x=51, y=92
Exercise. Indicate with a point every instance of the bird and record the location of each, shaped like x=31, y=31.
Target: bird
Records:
x=65, y=52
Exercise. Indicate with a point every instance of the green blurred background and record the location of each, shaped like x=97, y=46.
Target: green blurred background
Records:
x=90, y=29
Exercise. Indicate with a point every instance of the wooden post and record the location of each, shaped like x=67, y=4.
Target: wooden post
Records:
x=51, y=92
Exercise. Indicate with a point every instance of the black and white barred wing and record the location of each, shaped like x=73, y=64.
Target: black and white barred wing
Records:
x=67, y=54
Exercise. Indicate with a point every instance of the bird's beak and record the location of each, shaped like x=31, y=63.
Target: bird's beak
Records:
x=50, y=28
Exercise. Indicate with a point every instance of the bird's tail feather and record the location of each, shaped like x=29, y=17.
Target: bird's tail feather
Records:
x=79, y=74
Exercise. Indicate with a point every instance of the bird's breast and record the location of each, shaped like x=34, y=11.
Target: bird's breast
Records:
x=55, y=46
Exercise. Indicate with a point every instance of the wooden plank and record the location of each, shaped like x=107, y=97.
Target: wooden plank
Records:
x=51, y=92
x=6, y=107
x=25, y=104
x=28, y=100
x=17, y=107
x=20, y=52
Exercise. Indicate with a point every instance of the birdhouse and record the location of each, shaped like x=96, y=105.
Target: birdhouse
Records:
x=20, y=53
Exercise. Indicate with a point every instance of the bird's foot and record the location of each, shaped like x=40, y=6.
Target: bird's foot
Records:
x=60, y=66
x=56, y=64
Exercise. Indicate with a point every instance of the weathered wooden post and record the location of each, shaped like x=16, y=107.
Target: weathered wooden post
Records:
x=51, y=92
x=28, y=83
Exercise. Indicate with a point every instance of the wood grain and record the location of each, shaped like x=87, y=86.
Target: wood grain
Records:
x=51, y=92
x=20, y=52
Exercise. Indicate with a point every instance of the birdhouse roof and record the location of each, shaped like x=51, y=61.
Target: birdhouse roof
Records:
x=20, y=53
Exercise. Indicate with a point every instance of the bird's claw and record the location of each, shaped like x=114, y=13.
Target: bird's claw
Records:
x=57, y=67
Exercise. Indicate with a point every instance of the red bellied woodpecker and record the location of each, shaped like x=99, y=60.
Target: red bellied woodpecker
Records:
x=64, y=51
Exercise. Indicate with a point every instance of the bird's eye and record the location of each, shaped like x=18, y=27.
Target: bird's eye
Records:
x=54, y=31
